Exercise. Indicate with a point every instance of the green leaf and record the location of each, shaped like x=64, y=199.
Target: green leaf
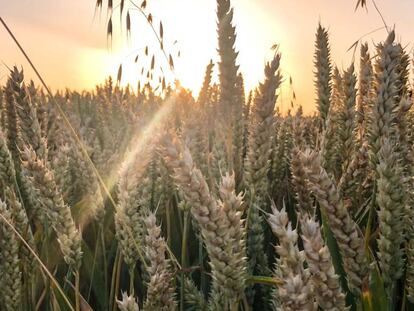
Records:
x=374, y=298
x=98, y=283
x=336, y=258
x=58, y=301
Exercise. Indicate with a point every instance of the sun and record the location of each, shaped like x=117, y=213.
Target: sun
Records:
x=192, y=47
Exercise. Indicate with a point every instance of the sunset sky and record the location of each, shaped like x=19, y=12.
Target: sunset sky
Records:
x=71, y=50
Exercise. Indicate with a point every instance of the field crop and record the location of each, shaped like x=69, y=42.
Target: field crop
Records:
x=155, y=200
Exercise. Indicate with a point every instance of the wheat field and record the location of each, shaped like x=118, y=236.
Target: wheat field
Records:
x=114, y=199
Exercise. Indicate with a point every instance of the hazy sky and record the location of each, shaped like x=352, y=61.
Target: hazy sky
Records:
x=70, y=47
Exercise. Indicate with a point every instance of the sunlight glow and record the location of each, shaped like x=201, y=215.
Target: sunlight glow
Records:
x=79, y=55
x=142, y=139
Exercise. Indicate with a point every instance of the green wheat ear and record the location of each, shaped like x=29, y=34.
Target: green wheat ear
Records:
x=343, y=227
x=11, y=280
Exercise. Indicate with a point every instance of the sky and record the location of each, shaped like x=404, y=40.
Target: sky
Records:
x=67, y=40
